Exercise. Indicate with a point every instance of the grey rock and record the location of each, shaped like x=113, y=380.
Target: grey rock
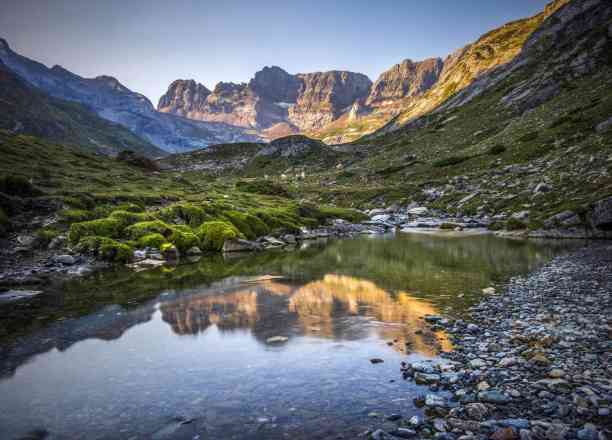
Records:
x=67, y=260
x=240, y=245
x=493, y=396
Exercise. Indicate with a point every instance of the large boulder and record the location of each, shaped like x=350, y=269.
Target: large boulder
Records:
x=239, y=245
x=601, y=215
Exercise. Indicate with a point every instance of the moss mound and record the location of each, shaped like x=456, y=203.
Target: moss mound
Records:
x=140, y=229
x=249, y=225
x=154, y=240
x=213, y=234
x=191, y=214
x=183, y=238
x=106, y=249
x=103, y=227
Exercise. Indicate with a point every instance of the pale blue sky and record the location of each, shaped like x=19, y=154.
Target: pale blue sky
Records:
x=147, y=44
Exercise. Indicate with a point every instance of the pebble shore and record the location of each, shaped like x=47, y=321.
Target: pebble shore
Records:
x=534, y=362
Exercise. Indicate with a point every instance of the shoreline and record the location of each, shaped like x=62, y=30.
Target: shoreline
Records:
x=533, y=362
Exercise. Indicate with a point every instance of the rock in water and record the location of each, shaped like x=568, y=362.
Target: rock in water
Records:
x=277, y=339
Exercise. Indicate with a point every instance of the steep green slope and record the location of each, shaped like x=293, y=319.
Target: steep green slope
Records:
x=26, y=110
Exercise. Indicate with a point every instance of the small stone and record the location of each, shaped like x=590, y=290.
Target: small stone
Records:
x=477, y=363
x=488, y=290
x=404, y=433
x=473, y=328
x=493, y=396
x=517, y=424
x=588, y=432
x=394, y=417
x=440, y=425
x=277, y=339
x=194, y=251
x=508, y=362
x=476, y=411
x=483, y=386
x=556, y=373
x=433, y=400
x=540, y=359
x=376, y=361
x=504, y=434
x=425, y=379
x=415, y=421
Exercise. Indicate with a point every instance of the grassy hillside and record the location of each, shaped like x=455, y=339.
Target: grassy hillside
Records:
x=26, y=110
x=109, y=206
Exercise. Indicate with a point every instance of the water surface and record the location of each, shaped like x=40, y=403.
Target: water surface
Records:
x=185, y=352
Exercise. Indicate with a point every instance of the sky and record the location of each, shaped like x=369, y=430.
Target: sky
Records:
x=147, y=44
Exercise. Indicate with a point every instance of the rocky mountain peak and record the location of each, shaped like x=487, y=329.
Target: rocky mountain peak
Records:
x=275, y=84
x=405, y=80
x=4, y=44
x=183, y=97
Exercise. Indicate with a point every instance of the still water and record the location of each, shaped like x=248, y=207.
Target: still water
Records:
x=185, y=352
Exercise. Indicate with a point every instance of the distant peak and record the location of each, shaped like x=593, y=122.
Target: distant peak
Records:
x=4, y=44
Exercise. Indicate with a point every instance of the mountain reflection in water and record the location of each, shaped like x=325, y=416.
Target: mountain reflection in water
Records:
x=320, y=308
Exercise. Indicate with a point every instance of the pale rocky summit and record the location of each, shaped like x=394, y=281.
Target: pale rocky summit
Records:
x=405, y=80
x=185, y=98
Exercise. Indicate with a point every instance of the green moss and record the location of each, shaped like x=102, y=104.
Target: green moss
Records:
x=76, y=215
x=263, y=187
x=154, y=240
x=183, y=238
x=188, y=212
x=106, y=249
x=350, y=215
x=213, y=234
x=527, y=137
x=140, y=229
x=128, y=218
x=104, y=227
x=249, y=225
x=279, y=218
x=449, y=226
x=45, y=235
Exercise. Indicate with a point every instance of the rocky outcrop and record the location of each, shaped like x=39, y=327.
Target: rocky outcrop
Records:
x=185, y=98
x=111, y=100
x=405, y=80
x=324, y=96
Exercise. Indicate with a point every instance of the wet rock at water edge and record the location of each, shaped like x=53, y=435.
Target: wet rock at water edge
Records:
x=66, y=260
x=277, y=339
x=376, y=361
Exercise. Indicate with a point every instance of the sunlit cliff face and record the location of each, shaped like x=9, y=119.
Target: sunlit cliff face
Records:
x=322, y=308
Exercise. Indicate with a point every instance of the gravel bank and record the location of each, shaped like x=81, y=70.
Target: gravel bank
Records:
x=534, y=362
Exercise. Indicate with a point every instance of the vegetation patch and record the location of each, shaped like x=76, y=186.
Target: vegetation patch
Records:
x=106, y=249
x=140, y=229
x=18, y=186
x=264, y=187
x=154, y=240
x=213, y=234
x=496, y=149
x=448, y=161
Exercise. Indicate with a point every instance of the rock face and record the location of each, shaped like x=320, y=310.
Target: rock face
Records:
x=405, y=80
x=299, y=102
x=185, y=98
x=111, y=100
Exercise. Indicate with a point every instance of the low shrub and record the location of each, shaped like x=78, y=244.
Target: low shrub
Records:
x=18, y=186
x=137, y=160
x=448, y=161
x=496, y=149
x=4, y=223
x=350, y=215
x=530, y=136
x=213, y=234
x=514, y=224
x=264, y=187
